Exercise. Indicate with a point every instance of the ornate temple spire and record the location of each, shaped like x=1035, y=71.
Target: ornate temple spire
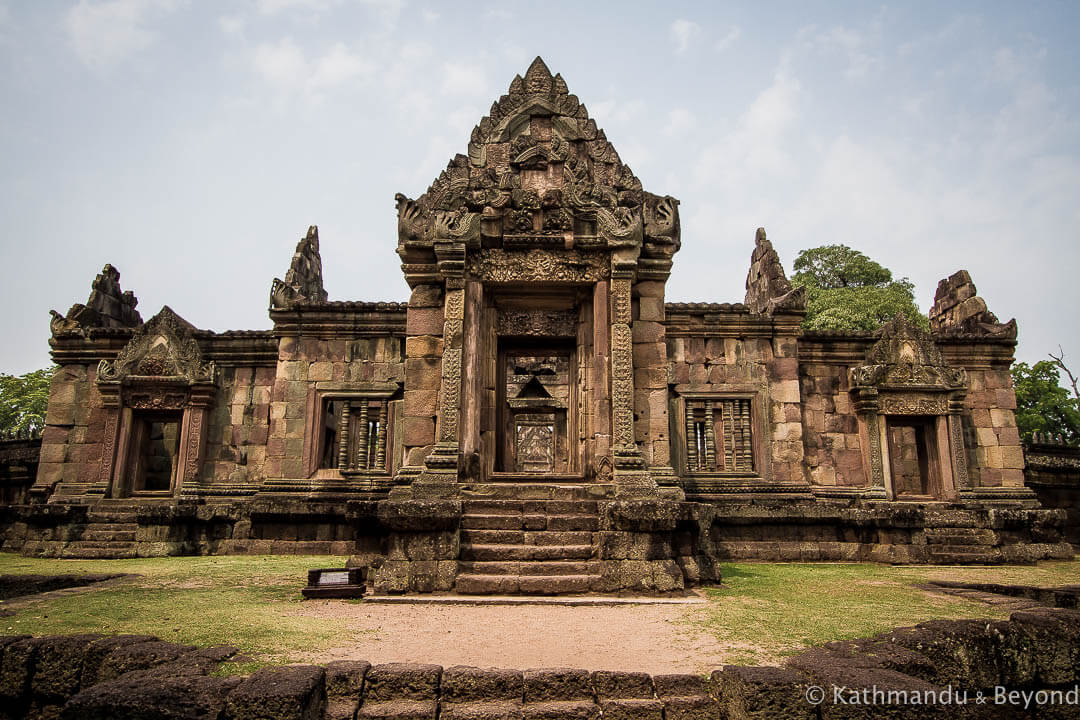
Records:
x=304, y=280
x=539, y=174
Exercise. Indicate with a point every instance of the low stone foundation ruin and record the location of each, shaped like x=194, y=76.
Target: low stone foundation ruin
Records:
x=1023, y=667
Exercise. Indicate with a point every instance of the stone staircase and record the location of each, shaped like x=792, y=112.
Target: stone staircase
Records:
x=110, y=532
x=961, y=546
x=512, y=546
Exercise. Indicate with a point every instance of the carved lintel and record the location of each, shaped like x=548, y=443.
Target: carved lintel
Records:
x=537, y=265
x=537, y=323
x=911, y=403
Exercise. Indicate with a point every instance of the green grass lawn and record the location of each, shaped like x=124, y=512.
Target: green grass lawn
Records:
x=762, y=612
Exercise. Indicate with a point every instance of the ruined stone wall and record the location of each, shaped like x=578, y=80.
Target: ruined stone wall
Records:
x=944, y=663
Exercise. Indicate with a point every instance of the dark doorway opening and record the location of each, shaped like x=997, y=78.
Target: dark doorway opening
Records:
x=914, y=458
x=155, y=451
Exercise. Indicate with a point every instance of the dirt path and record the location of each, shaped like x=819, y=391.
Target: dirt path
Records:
x=651, y=638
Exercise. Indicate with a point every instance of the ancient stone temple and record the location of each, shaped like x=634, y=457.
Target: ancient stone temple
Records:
x=536, y=418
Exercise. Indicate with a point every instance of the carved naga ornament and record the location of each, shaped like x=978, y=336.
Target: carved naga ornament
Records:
x=164, y=348
x=304, y=281
x=538, y=175
x=906, y=358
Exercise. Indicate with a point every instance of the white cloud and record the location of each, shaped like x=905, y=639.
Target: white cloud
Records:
x=281, y=64
x=683, y=32
x=272, y=7
x=853, y=45
x=231, y=24
x=616, y=113
x=338, y=67
x=103, y=34
x=729, y=38
x=429, y=15
x=460, y=78
x=680, y=120
x=285, y=66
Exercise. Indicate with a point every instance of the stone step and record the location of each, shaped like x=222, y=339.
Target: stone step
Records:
x=530, y=567
x=531, y=522
x=103, y=544
x=960, y=536
x=94, y=533
x=529, y=489
x=114, y=526
x=527, y=537
x=109, y=516
x=469, y=584
x=491, y=522
x=954, y=554
x=81, y=551
x=529, y=507
x=526, y=552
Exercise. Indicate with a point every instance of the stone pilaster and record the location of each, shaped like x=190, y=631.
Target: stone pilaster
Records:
x=630, y=473
x=957, y=453
x=440, y=475
x=875, y=455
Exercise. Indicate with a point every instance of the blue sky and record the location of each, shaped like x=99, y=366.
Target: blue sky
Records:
x=191, y=143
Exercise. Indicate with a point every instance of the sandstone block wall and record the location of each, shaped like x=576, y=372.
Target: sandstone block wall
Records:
x=306, y=364
x=706, y=354
x=995, y=456
x=831, y=428
x=422, y=372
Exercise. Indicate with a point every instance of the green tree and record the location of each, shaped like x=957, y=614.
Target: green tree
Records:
x=1042, y=404
x=846, y=290
x=23, y=400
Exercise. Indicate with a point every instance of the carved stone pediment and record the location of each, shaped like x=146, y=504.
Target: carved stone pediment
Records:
x=538, y=174
x=164, y=348
x=906, y=357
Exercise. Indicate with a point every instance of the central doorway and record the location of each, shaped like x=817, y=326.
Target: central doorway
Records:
x=535, y=385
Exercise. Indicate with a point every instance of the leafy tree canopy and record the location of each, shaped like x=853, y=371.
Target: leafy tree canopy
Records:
x=24, y=399
x=1042, y=404
x=846, y=290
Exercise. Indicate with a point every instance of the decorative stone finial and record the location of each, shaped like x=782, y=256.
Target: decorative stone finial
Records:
x=768, y=290
x=107, y=307
x=304, y=279
x=538, y=78
x=959, y=310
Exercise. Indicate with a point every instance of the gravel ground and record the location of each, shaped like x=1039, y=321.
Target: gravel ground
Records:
x=650, y=638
